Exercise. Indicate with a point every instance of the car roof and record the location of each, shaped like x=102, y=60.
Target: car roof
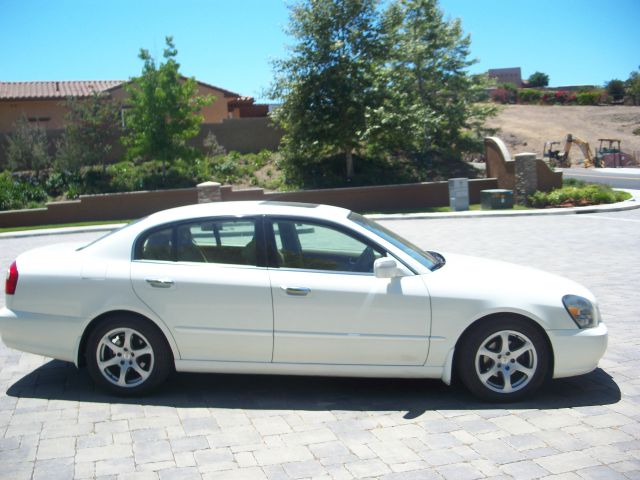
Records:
x=244, y=208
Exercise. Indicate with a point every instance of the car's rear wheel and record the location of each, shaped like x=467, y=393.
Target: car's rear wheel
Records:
x=127, y=356
x=503, y=359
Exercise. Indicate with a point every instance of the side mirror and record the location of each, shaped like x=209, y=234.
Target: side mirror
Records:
x=386, y=267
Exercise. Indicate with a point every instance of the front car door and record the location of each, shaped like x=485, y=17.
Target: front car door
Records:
x=328, y=306
x=206, y=281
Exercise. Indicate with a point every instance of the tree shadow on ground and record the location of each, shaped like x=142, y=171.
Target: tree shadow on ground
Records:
x=57, y=380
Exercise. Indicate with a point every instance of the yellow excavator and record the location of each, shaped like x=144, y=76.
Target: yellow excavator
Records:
x=561, y=156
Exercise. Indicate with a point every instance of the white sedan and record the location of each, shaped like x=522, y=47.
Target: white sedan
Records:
x=286, y=288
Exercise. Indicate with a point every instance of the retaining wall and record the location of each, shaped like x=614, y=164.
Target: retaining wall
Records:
x=124, y=206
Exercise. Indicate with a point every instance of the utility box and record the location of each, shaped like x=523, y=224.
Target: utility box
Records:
x=496, y=199
x=459, y=194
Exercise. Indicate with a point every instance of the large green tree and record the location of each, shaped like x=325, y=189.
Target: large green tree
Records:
x=326, y=84
x=431, y=112
x=92, y=128
x=632, y=87
x=538, y=79
x=164, y=111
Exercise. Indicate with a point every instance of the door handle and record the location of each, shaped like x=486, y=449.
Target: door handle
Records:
x=296, y=291
x=160, y=282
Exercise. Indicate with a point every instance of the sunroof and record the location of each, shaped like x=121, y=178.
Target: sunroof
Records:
x=289, y=204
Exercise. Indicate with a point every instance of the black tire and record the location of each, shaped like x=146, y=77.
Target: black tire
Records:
x=503, y=359
x=128, y=356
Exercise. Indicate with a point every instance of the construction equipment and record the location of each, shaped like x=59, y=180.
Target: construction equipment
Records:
x=609, y=154
x=560, y=157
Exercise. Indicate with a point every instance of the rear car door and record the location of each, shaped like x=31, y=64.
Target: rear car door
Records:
x=206, y=280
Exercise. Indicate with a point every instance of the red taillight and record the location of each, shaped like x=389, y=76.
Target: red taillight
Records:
x=12, y=279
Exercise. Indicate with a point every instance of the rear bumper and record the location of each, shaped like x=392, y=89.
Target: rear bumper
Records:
x=47, y=335
x=577, y=351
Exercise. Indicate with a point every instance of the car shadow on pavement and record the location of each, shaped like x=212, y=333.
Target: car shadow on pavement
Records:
x=57, y=380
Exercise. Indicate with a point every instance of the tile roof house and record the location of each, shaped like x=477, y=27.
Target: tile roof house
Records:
x=44, y=102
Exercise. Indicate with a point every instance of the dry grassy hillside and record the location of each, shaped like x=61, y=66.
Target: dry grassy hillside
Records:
x=525, y=128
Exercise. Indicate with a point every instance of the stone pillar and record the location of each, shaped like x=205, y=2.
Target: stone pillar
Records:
x=209, y=192
x=526, y=177
x=459, y=194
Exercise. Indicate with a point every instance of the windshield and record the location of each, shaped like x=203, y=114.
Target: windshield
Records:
x=425, y=258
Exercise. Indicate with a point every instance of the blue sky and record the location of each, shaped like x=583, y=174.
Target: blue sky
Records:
x=229, y=43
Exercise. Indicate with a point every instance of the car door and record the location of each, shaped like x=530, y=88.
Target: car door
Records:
x=204, y=280
x=329, y=307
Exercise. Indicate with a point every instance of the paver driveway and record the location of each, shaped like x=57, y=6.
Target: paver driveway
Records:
x=53, y=424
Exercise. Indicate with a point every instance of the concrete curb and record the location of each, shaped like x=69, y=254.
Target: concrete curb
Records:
x=630, y=204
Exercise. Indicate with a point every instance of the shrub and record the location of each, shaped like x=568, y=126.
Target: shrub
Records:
x=502, y=95
x=529, y=95
x=564, y=97
x=588, y=98
x=16, y=193
x=572, y=195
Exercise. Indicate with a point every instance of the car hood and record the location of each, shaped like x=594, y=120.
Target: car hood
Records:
x=496, y=275
x=487, y=286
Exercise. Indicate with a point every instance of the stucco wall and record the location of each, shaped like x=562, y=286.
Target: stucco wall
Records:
x=11, y=111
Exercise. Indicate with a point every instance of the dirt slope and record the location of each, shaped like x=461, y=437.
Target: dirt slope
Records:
x=525, y=128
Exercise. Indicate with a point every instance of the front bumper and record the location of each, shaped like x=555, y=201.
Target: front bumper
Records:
x=577, y=351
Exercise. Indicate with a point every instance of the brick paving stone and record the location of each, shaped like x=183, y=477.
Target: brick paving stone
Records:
x=189, y=444
x=566, y=462
x=115, y=466
x=367, y=468
x=186, y=473
x=199, y=426
x=184, y=459
x=53, y=469
x=271, y=425
x=278, y=455
x=600, y=473
x=251, y=473
x=94, y=454
x=56, y=448
x=525, y=470
x=152, y=451
x=459, y=471
x=304, y=469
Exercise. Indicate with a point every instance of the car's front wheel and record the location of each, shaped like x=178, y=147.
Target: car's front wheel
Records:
x=127, y=356
x=503, y=359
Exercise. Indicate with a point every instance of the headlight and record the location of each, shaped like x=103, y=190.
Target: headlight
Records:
x=581, y=310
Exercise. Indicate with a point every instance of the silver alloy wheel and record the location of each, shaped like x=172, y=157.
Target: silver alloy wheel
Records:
x=125, y=357
x=506, y=361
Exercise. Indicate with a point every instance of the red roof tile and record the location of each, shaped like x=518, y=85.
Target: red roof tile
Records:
x=54, y=89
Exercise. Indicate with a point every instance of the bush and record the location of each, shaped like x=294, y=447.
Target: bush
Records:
x=16, y=193
x=529, y=95
x=588, y=98
x=577, y=195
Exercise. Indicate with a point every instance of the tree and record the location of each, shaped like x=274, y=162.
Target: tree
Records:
x=538, y=79
x=93, y=126
x=431, y=110
x=326, y=83
x=28, y=147
x=164, y=111
x=632, y=87
x=615, y=89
